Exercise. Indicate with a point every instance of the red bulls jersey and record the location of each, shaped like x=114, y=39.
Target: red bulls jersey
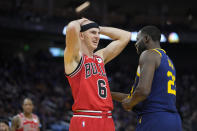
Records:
x=27, y=124
x=89, y=84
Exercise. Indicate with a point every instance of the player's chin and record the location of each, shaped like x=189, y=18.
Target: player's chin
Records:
x=94, y=46
x=29, y=111
x=138, y=52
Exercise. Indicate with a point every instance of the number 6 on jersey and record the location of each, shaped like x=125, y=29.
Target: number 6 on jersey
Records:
x=102, y=90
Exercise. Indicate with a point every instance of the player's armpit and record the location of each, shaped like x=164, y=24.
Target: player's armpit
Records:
x=72, y=54
x=100, y=53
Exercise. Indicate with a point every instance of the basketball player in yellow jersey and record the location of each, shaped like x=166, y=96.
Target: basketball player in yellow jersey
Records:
x=153, y=95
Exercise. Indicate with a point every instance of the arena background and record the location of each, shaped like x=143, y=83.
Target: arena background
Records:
x=31, y=30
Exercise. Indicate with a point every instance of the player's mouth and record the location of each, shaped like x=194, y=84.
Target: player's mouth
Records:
x=137, y=48
x=95, y=42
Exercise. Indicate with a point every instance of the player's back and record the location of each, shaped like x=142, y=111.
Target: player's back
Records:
x=28, y=124
x=89, y=84
x=163, y=91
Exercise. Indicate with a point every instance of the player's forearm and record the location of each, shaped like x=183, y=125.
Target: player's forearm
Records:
x=117, y=96
x=137, y=97
x=115, y=34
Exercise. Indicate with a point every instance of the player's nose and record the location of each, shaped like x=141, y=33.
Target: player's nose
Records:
x=97, y=36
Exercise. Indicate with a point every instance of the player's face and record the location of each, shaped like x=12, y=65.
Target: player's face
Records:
x=91, y=38
x=4, y=127
x=140, y=45
x=27, y=106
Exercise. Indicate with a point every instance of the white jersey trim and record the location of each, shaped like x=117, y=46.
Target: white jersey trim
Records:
x=90, y=116
x=78, y=68
x=92, y=111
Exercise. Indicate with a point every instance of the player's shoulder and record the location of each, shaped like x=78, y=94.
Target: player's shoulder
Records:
x=34, y=115
x=99, y=53
x=149, y=54
x=35, y=118
x=16, y=117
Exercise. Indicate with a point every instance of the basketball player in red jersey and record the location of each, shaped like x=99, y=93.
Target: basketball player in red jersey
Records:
x=86, y=74
x=26, y=121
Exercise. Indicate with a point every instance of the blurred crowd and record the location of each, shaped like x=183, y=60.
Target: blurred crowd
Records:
x=41, y=77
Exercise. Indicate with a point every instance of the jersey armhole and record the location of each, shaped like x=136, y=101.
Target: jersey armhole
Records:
x=160, y=56
x=99, y=57
x=77, y=69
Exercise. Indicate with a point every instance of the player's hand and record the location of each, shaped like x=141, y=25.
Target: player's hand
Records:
x=82, y=20
x=126, y=104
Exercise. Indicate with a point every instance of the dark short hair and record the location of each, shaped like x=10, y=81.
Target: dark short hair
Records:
x=27, y=98
x=152, y=31
x=4, y=120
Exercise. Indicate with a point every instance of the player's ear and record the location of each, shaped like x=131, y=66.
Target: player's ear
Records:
x=81, y=35
x=146, y=38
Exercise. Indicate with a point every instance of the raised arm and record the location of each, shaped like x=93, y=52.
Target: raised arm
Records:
x=148, y=63
x=117, y=96
x=120, y=39
x=71, y=53
x=15, y=123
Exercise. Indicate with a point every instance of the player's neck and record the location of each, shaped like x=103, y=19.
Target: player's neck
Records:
x=86, y=51
x=28, y=115
x=154, y=46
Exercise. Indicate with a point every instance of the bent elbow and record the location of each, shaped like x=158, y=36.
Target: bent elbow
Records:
x=72, y=26
x=126, y=37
